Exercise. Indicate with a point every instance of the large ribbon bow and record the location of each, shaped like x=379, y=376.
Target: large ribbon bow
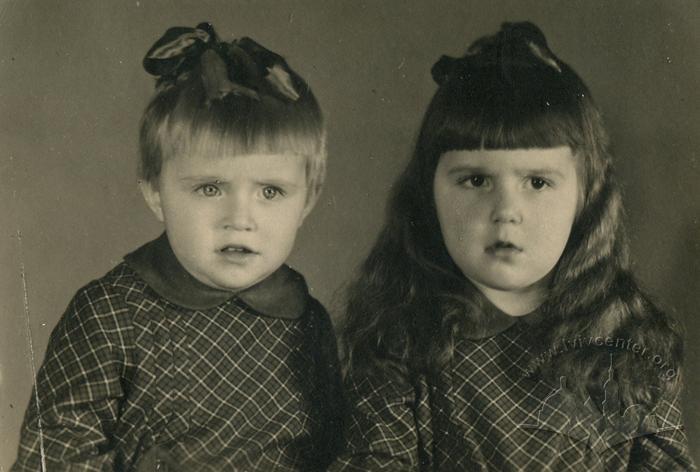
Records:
x=515, y=41
x=241, y=67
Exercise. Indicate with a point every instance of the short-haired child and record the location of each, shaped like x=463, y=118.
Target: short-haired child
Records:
x=483, y=331
x=202, y=347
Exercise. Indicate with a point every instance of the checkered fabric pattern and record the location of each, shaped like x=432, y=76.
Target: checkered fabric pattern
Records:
x=485, y=414
x=224, y=388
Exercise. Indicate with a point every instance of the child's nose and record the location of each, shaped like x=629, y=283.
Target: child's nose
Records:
x=238, y=215
x=506, y=209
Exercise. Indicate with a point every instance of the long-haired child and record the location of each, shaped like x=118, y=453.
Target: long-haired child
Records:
x=495, y=324
x=202, y=348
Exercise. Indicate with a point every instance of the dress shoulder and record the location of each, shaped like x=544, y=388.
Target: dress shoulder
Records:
x=103, y=309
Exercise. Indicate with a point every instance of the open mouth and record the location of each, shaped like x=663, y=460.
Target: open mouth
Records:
x=236, y=249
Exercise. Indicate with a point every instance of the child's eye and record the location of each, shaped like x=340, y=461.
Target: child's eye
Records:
x=270, y=192
x=538, y=183
x=209, y=190
x=473, y=181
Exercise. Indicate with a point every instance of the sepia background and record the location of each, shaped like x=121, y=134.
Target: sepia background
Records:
x=72, y=91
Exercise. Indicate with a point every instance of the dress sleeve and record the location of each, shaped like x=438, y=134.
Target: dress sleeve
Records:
x=74, y=403
x=666, y=449
x=381, y=430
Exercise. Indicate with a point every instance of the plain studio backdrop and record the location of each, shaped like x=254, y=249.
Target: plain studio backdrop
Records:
x=72, y=91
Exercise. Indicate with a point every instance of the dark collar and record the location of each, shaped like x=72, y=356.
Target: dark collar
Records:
x=493, y=321
x=283, y=294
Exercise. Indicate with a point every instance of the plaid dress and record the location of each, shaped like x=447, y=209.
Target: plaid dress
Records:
x=486, y=413
x=149, y=367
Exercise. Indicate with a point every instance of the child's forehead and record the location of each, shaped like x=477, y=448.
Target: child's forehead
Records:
x=218, y=156
x=206, y=148
x=209, y=145
x=198, y=166
x=234, y=163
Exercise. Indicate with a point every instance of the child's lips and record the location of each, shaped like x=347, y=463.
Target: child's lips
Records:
x=234, y=248
x=237, y=253
x=503, y=247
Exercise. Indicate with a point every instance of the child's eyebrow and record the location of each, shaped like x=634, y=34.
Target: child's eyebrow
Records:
x=201, y=178
x=481, y=170
x=462, y=168
x=545, y=171
x=276, y=181
x=279, y=181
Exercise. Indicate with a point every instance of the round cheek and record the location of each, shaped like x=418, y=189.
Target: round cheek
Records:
x=282, y=225
x=457, y=234
x=555, y=230
x=443, y=219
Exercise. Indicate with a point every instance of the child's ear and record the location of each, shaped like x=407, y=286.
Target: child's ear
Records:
x=310, y=204
x=151, y=194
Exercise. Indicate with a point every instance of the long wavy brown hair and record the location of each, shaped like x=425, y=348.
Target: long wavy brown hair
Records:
x=409, y=303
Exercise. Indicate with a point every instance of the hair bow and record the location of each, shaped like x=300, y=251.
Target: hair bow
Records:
x=443, y=68
x=241, y=67
x=515, y=43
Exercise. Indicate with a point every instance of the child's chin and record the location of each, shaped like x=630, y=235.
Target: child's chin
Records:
x=236, y=284
x=509, y=283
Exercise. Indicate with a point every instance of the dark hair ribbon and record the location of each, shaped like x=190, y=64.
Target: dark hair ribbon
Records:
x=444, y=68
x=515, y=43
x=241, y=67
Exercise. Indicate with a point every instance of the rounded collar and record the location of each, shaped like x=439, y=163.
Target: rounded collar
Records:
x=283, y=294
x=494, y=321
